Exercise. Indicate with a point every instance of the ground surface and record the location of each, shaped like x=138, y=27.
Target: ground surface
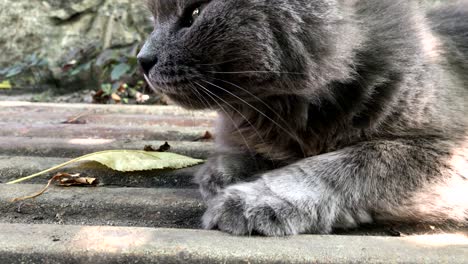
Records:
x=154, y=216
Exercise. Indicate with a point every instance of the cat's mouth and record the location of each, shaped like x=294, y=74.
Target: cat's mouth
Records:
x=186, y=93
x=202, y=92
x=167, y=86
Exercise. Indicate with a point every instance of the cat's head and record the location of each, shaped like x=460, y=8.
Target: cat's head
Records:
x=208, y=52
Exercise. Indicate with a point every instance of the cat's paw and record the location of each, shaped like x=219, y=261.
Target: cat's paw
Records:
x=251, y=208
x=223, y=170
x=212, y=177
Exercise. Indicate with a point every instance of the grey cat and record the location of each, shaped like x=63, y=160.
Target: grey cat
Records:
x=332, y=113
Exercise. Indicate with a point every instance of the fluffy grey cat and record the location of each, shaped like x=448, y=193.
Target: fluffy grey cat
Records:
x=332, y=113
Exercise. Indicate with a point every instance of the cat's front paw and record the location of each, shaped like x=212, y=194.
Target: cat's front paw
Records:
x=223, y=170
x=251, y=208
x=211, y=179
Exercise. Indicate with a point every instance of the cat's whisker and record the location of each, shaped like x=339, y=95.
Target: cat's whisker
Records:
x=246, y=72
x=199, y=96
x=192, y=116
x=232, y=121
x=208, y=92
x=258, y=99
x=150, y=84
x=217, y=63
x=242, y=115
x=295, y=137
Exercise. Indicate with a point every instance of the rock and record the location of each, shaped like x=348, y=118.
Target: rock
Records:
x=65, y=10
x=52, y=28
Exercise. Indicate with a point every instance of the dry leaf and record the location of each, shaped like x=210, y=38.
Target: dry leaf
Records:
x=129, y=160
x=62, y=179
x=116, y=98
x=149, y=148
x=76, y=180
x=207, y=136
x=163, y=148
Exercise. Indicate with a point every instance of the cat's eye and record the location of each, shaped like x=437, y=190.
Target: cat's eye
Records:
x=195, y=13
x=192, y=15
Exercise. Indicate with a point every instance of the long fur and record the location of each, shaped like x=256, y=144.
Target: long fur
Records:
x=332, y=113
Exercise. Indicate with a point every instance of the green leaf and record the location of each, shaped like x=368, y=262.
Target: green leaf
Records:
x=129, y=160
x=75, y=72
x=5, y=85
x=80, y=69
x=107, y=57
x=106, y=88
x=119, y=70
x=14, y=71
x=132, y=61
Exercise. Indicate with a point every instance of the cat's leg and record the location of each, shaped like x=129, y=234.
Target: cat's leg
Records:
x=223, y=169
x=345, y=187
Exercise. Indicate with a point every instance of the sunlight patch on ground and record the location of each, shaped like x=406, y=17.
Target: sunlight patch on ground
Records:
x=90, y=141
x=440, y=240
x=110, y=240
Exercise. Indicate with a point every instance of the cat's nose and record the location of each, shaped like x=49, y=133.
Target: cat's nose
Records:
x=147, y=62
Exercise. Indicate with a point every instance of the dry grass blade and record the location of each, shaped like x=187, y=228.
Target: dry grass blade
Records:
x=77, y=119
x=34, y=195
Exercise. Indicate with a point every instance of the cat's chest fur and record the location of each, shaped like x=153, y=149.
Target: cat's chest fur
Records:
x=285, y=129
x=290, y=128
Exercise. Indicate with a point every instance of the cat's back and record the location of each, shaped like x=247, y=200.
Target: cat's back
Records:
x=450, y=23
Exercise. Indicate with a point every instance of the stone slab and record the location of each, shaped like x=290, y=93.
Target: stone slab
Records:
x=74, y=147
x=161, y=207
x=95, y=244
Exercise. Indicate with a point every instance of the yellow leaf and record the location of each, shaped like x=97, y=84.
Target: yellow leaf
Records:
x=137, y=160
x=129, y=160
x=5, y=85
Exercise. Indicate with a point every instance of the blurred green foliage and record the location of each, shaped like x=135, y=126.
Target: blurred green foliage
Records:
x=113, y=75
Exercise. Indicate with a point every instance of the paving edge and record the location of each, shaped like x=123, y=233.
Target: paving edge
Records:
x=95, y=244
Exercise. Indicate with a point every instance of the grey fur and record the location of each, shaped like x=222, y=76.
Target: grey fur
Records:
x=333, y=113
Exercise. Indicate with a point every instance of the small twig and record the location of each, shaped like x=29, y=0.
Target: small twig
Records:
x=64, y=179
x=37, y=194
x=74, y=120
